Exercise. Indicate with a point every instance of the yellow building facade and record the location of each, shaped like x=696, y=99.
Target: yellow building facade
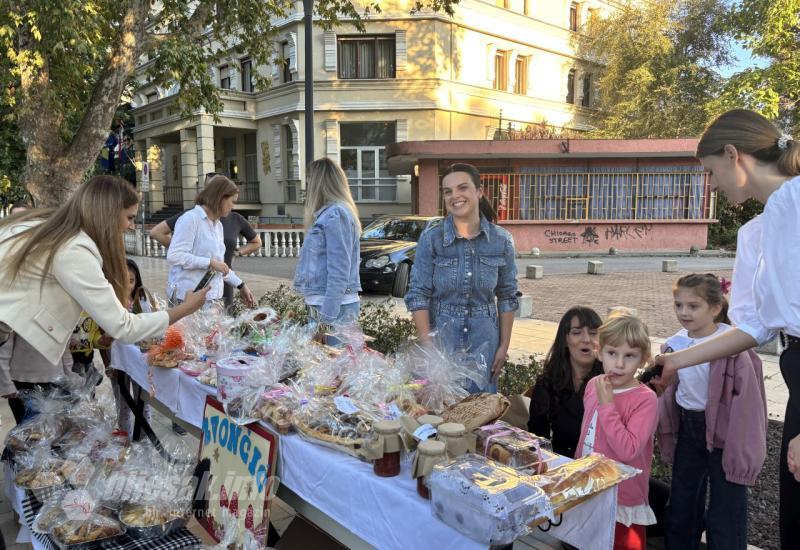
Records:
x=409, y=77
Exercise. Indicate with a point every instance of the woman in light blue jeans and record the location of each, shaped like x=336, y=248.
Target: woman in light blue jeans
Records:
x=327, y=274
x=464, y=279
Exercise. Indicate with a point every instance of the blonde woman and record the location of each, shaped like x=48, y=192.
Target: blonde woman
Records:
x=56, y=263
x=327, y=274
x=198, y=245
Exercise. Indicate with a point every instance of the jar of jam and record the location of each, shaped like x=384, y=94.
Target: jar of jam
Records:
x=389, y=435
x=431, y=419
x=429, y=453
x=454, y=436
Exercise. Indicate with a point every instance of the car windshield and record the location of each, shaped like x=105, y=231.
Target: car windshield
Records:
x=394, y=230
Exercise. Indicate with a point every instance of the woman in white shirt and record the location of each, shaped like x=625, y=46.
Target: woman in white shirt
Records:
x=55, y=264
x=198, y=245
x=747, y=157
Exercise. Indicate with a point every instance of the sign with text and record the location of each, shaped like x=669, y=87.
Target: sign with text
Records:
x=241, y=466
x=144, y=180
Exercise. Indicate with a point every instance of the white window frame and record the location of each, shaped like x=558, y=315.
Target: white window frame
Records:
x=356, y=186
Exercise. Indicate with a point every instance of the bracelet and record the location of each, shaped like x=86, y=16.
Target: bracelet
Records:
x=241, y=286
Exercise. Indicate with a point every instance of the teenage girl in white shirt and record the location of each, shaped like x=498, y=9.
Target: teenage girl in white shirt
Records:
x=747, y=157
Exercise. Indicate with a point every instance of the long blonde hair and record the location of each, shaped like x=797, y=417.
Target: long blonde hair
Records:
x=326, y=183
x=94, y=208
x=753, y=134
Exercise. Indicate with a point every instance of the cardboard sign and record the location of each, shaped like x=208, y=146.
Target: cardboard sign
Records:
x=241, y=462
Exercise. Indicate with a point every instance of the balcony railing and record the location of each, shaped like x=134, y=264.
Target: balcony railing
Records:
x=569, y=196
x=249, y=192
x=173, y=195
x=276, y=243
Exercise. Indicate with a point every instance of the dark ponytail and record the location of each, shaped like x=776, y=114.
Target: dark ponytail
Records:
x=486, y=210
x=484, y=205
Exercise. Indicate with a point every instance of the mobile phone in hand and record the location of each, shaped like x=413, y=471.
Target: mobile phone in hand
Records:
x=205, y=281
x=653, y=371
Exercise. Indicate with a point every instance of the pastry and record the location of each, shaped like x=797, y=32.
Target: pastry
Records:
x=48, y=474
x=477, y=410
x=148, y=516
x=95, y=528
x=580, y=478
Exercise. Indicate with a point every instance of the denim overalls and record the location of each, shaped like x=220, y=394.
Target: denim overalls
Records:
x=464, y=283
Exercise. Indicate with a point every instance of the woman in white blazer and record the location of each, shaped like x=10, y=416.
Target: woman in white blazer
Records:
x=56, y=263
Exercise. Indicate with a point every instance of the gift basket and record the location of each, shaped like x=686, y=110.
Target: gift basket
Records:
x=336, y=422
x=439, y=379
x=484, y=500
x=514, y=447
x=276, y=406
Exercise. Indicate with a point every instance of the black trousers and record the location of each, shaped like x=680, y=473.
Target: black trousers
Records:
x=789, y=486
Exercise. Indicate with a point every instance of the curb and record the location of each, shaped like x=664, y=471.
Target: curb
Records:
x=633, y=253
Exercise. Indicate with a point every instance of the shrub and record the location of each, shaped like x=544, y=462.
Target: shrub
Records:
x=517, y=378
x=287, y=303
x=388, y=329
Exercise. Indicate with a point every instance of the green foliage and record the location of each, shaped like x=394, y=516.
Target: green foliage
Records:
x=388, y=329
x=731, y=217
x=518, y=378
x=658, y=76
x=769, y=28
x=286, y=303
x=12, y=161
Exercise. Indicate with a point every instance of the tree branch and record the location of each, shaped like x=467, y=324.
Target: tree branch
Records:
x=99, y=113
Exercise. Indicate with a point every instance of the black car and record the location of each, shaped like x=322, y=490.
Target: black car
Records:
x=387, y=252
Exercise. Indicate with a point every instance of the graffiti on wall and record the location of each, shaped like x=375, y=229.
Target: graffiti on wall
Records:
x=557, y=236
x=621, y=232
x=591, y=235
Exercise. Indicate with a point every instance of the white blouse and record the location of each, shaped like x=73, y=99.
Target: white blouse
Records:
x=765, y=297
x=776, y=292
x=195, y=242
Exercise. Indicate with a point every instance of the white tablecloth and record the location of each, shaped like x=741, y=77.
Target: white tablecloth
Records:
x=385, y=512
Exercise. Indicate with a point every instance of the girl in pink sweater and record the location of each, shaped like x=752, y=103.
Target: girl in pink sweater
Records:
x=620, y=419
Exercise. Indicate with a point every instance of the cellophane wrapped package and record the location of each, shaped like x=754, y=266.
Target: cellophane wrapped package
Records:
x=484, y=500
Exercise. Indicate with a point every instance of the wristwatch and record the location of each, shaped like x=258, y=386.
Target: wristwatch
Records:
x=241, y=286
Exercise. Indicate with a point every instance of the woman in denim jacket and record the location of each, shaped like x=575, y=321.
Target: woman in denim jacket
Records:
x=327, y=274
x=463, y=275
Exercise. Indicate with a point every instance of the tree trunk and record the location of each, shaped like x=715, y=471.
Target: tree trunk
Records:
x=54, y=169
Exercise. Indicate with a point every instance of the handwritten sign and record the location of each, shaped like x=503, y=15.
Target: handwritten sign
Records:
x=242, y=463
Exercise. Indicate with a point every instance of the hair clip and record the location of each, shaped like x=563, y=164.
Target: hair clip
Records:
x=725, y=284
x=783, y=141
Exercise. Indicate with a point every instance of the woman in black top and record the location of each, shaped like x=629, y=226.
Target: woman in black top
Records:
x=556, y=409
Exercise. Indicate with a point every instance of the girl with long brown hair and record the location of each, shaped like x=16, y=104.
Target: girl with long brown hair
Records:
x=748, y=157
x=56, y=263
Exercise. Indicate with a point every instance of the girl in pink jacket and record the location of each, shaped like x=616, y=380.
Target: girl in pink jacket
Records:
x=712, y=426
x=619, y=420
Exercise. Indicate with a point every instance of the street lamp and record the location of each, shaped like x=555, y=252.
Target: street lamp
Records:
x=308, y=13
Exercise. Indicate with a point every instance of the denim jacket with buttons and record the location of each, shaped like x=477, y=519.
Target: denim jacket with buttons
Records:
x=329, y=259
x=457, y=275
